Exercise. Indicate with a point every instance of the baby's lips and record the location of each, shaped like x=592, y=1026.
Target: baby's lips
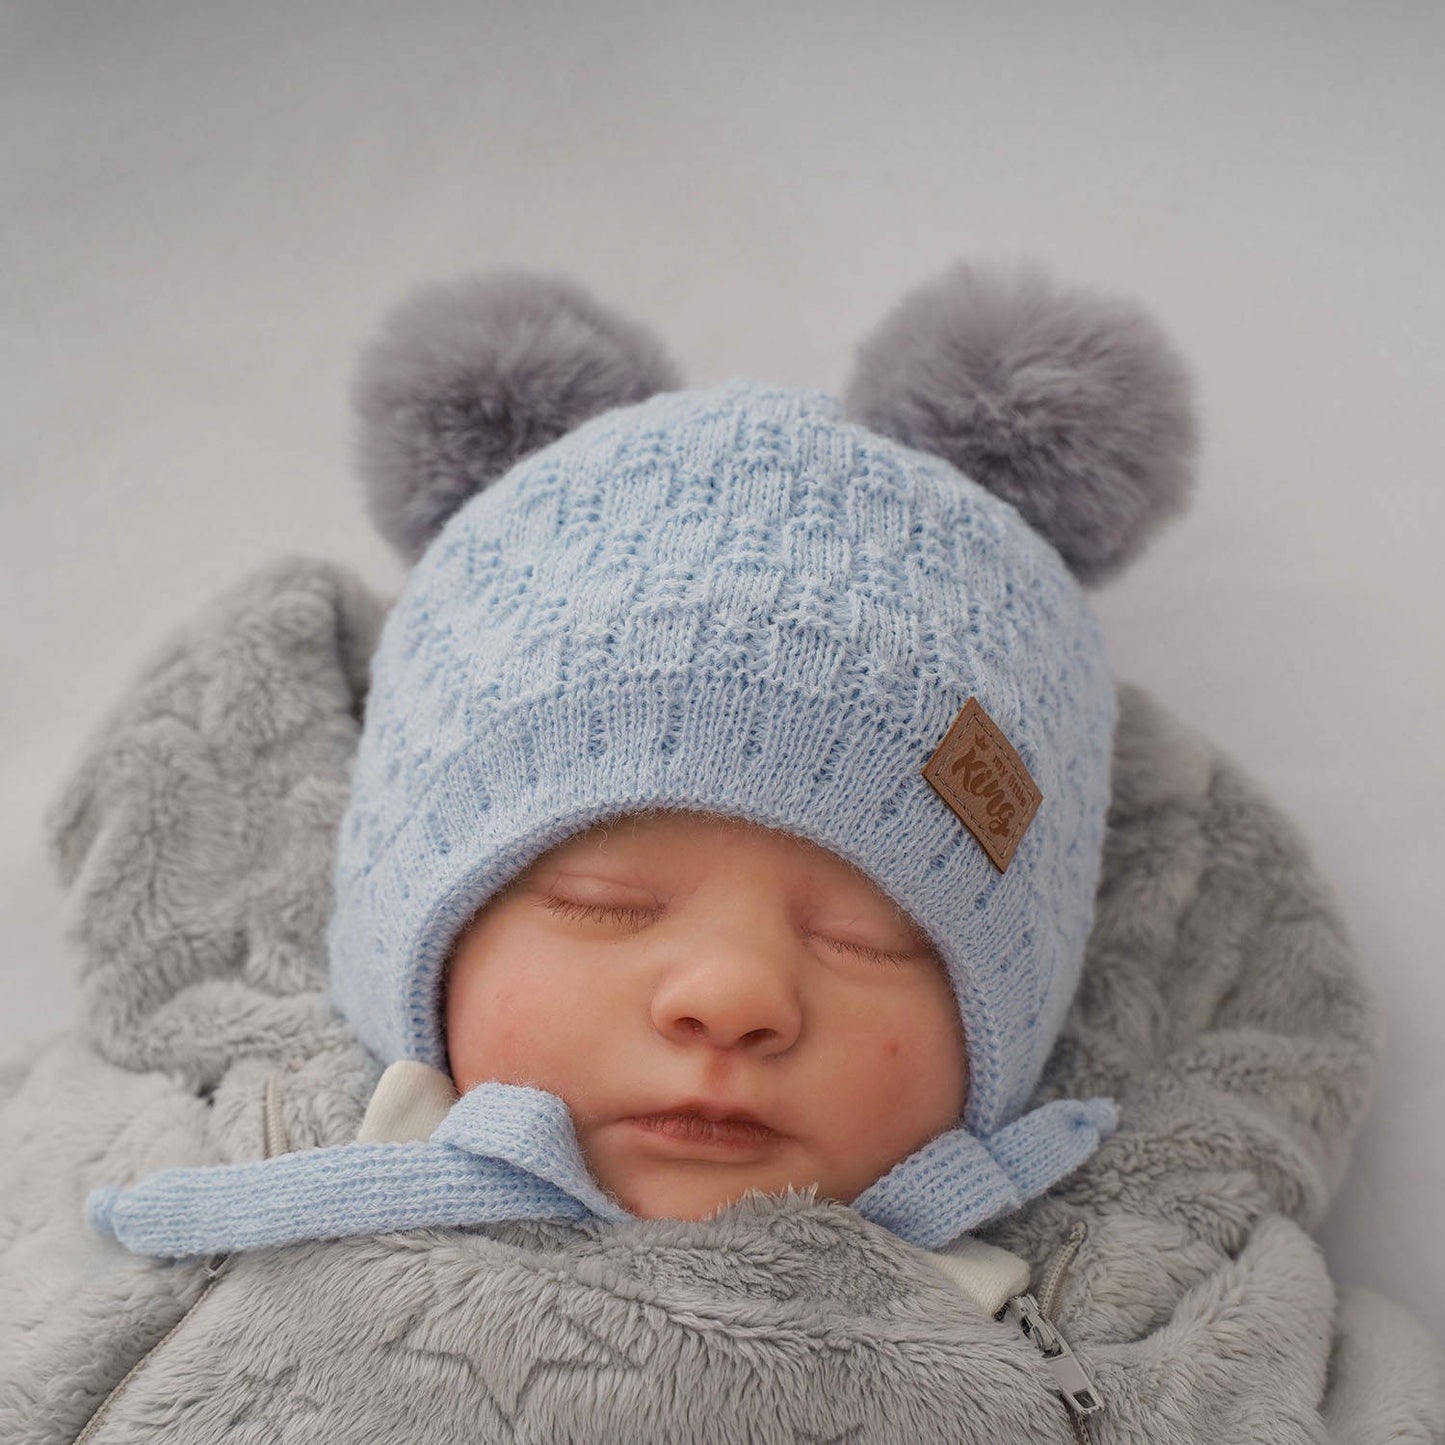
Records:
x=692, y=1128
x=714, y=1111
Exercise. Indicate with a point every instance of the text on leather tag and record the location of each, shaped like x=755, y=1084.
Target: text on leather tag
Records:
x=976, y=771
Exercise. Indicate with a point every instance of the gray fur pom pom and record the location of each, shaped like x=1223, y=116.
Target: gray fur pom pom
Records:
x=466, y=377
x=1071, y=405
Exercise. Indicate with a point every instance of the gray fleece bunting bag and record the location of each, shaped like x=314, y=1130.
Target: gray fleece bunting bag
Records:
x=1221, y=1006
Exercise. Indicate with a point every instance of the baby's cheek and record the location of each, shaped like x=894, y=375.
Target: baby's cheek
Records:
x=878, y=1084
x=501, y=1035
x=901, y=1094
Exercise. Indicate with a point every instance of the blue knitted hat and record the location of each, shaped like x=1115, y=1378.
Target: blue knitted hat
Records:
x=746, y=600
x=741, y=601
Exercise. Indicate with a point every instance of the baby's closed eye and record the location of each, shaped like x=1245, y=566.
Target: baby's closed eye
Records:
x=866, y=950
x=630, y=915
x=606, y=907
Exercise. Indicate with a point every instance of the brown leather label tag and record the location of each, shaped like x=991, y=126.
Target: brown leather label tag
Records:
x=976, y=771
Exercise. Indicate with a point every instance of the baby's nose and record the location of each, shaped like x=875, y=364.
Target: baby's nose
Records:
x=729, y=999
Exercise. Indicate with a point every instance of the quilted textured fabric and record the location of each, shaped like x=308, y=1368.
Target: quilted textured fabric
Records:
x=1221, y=1005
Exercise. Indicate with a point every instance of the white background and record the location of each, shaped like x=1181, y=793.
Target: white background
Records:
x=205, y=207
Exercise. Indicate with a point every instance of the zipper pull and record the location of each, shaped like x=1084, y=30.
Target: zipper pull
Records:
x=1080, y=1393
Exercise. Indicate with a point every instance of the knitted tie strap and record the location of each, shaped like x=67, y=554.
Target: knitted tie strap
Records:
x=502, y=1152
x=506, y=1152
x=958, y=1182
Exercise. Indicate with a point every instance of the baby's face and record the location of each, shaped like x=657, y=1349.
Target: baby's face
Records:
x=723, y=1008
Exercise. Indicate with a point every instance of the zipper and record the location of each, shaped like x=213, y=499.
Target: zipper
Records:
x=274, y=1142
x=1033, y=1318
x=1056, y=1268
x=273, y=1122
x=213, y=1269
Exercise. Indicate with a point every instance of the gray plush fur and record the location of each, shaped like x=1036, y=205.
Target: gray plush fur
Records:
x=1221, y=1004
x=1071, y=405
x=466, y=377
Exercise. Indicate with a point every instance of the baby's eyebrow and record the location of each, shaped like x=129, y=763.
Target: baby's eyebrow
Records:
x=618, y=871
x=601, y=875
x=918, y=935
x=882, y=911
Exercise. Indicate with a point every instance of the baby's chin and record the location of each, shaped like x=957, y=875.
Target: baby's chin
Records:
x=680, y=1191
x=700, y=1204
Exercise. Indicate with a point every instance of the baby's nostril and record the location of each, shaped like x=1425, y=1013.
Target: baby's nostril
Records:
x=757, y=1036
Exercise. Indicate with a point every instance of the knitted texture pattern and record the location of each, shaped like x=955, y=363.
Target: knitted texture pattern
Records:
x=731, y=600
x=507, y=1152
x=503, y=1152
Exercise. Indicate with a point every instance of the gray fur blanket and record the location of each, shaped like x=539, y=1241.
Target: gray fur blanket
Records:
x=1221, y=1006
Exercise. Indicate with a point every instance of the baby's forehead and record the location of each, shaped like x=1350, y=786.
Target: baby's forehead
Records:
x=677, y=832
x=673, y=841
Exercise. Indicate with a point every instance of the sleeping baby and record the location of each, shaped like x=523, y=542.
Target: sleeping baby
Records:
x=729, y=805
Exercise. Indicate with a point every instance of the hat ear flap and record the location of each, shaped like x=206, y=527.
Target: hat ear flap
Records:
x=1072, y=406
x=466, y=377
